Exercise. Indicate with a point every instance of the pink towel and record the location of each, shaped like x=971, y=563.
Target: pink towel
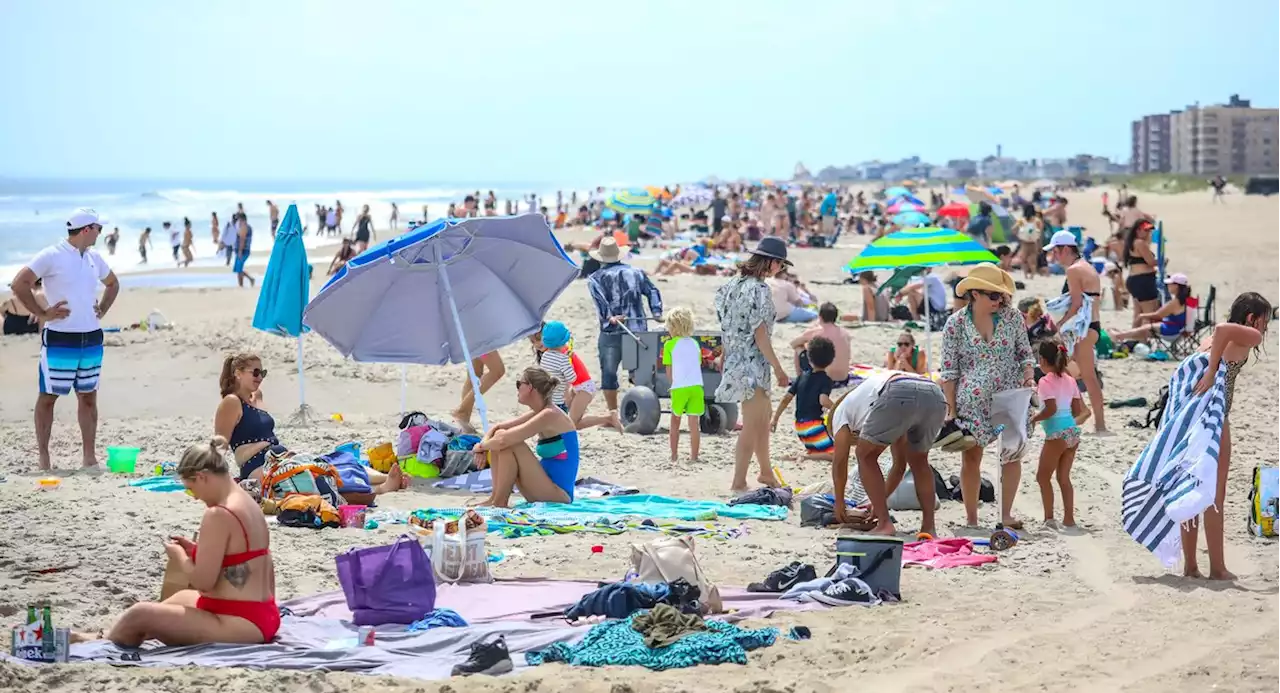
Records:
x=943, y=553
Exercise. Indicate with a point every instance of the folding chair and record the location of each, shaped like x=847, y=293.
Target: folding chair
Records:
x=1200, y=320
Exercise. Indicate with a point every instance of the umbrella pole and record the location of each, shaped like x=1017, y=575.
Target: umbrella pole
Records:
x=404, y=389
x=462, y=338
x=928, y=332
x=305, y=415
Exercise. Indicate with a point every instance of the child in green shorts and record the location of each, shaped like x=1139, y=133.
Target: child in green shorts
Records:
x=682, y=355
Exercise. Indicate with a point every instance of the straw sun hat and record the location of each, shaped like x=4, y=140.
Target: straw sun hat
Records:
x=986, y=277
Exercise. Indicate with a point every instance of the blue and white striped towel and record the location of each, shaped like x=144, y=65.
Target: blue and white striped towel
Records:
x=1078, y=327
x=1175, y=478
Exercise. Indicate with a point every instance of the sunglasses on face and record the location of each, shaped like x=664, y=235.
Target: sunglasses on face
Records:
x=993, y=295
x=258, y=372
x=904, y=344
x=520, y=383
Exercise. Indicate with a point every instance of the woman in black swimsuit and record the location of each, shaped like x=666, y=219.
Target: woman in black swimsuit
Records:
x=1140, y=260
x=364, y=229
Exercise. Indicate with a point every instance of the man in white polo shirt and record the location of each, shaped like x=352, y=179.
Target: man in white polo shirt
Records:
x=71, y=344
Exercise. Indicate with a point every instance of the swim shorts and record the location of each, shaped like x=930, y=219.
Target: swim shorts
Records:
x=815, y=436
x=70, y=361
x=910, y=407
x=688, y=401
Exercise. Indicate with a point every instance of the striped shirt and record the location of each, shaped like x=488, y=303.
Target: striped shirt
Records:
x=558, y=365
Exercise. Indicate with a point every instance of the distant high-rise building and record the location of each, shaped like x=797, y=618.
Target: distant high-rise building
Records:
x=1224, y=139
x=1151, y=145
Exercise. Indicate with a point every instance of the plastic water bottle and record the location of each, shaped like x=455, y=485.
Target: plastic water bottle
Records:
x=1141, y=350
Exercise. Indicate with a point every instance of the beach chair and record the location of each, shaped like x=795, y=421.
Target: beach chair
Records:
x=898, y=280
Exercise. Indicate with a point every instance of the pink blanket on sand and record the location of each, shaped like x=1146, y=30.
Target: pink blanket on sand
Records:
x=944, y=553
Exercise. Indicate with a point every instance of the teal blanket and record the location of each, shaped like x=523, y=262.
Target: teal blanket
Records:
x=158, y=483
x=617, y=643
x=613, y=508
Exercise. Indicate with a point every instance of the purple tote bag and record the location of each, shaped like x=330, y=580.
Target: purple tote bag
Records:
x=387, y=584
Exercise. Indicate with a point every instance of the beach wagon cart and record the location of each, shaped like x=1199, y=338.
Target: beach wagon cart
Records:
x=641, y=408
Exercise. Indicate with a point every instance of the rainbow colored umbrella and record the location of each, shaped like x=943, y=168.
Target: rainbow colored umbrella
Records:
x=922, y=247
x=634, y=201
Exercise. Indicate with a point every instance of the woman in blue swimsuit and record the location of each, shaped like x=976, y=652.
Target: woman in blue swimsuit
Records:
x=548, y=471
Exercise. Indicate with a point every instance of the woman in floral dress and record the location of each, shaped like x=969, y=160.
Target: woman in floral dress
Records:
x=985, y=351
x=746, y=312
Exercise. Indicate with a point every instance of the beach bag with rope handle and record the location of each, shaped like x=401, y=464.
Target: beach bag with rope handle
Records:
x=1264, y=504
x=669, y=559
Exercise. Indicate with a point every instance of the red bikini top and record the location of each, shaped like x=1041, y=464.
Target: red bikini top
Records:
x=237, y=558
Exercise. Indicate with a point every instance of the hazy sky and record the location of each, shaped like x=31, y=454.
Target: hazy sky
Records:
x=579, y=92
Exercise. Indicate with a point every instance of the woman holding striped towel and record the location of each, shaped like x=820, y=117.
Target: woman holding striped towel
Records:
x=1182, y=473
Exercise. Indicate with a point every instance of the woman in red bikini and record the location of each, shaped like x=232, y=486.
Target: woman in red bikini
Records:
x=231, y=598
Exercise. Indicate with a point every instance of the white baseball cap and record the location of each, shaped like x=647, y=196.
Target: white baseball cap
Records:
x=726, y=218
x=1060, y=239
x=83, y=217
x=1178, y=278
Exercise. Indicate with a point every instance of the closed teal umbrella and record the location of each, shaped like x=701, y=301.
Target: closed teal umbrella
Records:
x=286, y=288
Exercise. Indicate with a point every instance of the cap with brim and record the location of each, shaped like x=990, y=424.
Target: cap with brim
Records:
x=83, y=217
x=1062, y=239
x=1177, y=278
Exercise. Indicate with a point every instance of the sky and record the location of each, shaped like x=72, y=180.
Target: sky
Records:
x=587, y=92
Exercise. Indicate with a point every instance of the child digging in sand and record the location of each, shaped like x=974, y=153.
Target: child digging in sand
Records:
x=812, y=394
x=682, y=355
x=1060, y=419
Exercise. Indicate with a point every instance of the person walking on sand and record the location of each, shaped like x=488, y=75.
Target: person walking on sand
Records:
x=395, y=216
x=338, y=211
x=216, y=228
x=175, y=241
x=244, y=241
x=228, y=239
x=746, y=312
x=364, y=229
x=71, y=345
x=619, y=292
x=144, y=242
x=187, y=240
x=274, y=212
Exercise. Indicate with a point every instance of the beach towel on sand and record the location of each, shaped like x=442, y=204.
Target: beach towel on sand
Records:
x=646, y=505
x=1175, y=478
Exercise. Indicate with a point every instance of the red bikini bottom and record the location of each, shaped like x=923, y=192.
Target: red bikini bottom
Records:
x=264, y=615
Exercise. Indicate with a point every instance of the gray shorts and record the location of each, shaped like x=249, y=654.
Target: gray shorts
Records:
x=906, y=406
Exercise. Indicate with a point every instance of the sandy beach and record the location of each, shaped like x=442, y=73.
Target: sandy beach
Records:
x=1087, y=610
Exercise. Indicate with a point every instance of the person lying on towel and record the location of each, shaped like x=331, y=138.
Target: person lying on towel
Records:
x=230, y=576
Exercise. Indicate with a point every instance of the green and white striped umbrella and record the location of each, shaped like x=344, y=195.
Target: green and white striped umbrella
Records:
x=922, y=247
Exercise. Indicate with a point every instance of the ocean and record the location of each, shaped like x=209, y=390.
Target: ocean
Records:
x=33, y=213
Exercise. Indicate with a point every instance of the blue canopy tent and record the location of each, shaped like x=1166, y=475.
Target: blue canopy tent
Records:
x=286, y=286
